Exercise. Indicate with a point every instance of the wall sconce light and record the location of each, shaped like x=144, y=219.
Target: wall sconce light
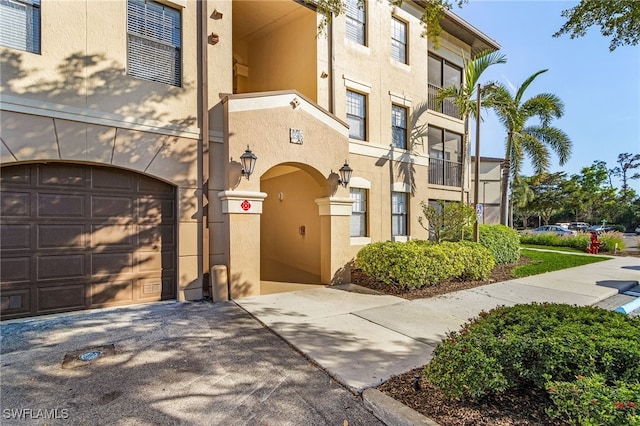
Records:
x=248, y=160
x=216, y=14
x=345, y=174
x=213, y=38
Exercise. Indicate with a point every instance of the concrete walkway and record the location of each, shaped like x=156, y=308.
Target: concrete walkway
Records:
x=364, y=339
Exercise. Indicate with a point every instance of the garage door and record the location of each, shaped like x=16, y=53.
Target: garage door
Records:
x=78, y=237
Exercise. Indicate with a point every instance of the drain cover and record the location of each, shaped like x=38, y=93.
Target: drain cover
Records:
x=84, y=357
x=89, y=356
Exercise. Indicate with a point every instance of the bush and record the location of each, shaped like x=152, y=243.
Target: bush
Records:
x=502, y=241
x=532, y=344
x=591, y=401
x=580, y=241
x=419, y=263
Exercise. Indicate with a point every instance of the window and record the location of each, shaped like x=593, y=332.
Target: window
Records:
x=356, y=115
x=442, y=74
x=20, y=24
x=398, y=40
x=398, y=213
x=154, y=42
x=359, y=212
x=356, y=20
x=445, y=161
x=399, y=126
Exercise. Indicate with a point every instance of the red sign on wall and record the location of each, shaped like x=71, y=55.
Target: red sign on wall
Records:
x=246, y=205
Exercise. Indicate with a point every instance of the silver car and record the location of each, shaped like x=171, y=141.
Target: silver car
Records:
x=554, y=229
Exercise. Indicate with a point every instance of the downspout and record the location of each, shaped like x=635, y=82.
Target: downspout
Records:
x=332, y=106
x=203, y=157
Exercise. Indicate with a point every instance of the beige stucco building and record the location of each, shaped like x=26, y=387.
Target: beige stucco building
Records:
x=123, y=124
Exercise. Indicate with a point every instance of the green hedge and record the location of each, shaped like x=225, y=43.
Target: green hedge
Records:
x=533, y=344
x=579, y=241
x=420, y=263
x=502, y=241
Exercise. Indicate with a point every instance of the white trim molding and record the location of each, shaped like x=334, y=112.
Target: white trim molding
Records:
x=400, y=187
x=334, y=206
x=359, y=182
x=359, y=86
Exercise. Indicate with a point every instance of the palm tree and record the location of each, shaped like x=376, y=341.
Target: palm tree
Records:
x=464, y=97
x=536, y=140
x=521, y=196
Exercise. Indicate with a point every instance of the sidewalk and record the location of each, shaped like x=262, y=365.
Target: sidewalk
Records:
x=364, y=339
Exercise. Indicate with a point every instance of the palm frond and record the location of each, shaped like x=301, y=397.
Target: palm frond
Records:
x=523, y=87
x=537, y=152
x=546, y=106
x=555, y=138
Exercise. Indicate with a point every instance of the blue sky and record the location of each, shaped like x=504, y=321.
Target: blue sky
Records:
x=600, y=89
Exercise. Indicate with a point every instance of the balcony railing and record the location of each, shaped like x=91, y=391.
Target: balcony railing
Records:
x=443, y=172
x=447, y=107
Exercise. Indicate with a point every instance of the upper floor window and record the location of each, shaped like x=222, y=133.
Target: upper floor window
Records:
x=398, y=40
x=441, y=74
x=445, y=161
x=154, y=42
x=357, y=115
x=356, y=21
x=399, y=126
x=20, y=24
x=399, y=214
x=358, y=212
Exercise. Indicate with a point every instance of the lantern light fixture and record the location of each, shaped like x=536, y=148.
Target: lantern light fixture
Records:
x=345, y=174
x=248, y=160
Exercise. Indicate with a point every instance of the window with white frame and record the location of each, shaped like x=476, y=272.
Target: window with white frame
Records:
x=154, y=42
x=356, y=21
x=357, y=115
x=398, y=40
x=20, y=24
x=399, y=126
x=398, y=214
x=358, y=212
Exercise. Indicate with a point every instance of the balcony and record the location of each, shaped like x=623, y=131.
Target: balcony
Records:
x=447, y=107
x=446, y=173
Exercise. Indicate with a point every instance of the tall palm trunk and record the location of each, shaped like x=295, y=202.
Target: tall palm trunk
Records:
x=506, y=172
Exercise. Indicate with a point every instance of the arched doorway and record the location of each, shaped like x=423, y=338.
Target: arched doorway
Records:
x=290, y=225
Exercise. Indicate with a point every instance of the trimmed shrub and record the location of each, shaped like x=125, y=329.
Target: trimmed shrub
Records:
x=502, y=241
x=580, y=241
x=419, y=263
x=533, y=344
x=591, y=401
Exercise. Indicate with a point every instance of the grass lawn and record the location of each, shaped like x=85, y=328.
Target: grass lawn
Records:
x=544, y=261
x=567, y=249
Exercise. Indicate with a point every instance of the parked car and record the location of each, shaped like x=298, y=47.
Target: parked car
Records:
x=553, y=229
x=579, y=226
x=600, y=229
x=638, y=230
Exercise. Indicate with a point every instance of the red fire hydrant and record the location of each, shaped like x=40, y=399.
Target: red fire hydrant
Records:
x=594, y=245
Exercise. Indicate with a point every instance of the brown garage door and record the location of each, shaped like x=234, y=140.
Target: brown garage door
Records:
x=78, y=237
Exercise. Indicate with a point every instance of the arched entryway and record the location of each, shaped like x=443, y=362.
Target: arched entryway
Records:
x=290, y=224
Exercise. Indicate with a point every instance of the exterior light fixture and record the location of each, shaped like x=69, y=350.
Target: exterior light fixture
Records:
x=248, y=160
x=345, y=174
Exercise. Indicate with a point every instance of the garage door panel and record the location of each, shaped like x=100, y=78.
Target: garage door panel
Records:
x=65, y=236
x=15, y=204
x=110, y=293
x=55, y=267
x=15, y=269
x=111, y=207
x=77, y=236
x=61, y=175
x=63, y=297
x=61, y=206
x=111, y=263
x=114, y=237
x=15, y=236
x=103, y=178
x=15, y=302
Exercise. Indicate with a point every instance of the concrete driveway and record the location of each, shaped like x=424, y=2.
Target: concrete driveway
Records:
x=162, y=364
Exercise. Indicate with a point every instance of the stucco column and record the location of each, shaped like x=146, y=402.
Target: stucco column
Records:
x=335, y=218
x=242, y=210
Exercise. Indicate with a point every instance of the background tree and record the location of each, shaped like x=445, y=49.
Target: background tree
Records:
x=521, y=196
x=535, y=140
x=548, y=195
x=618, y=19
x=628, y=162
x=464, y=97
